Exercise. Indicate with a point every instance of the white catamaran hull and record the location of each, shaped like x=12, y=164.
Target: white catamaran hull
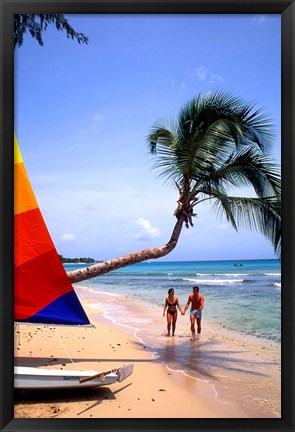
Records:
x=45, y=297
x=29, y=378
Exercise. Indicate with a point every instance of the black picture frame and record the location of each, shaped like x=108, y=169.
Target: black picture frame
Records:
x=286, y=8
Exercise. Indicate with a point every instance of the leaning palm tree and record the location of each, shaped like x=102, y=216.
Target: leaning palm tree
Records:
x=218, y=144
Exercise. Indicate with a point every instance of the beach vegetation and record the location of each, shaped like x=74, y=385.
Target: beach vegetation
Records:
x=85, y=260
x=218, y=146
x=35, y=24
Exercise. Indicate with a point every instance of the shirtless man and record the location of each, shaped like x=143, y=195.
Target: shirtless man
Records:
x=197, y=304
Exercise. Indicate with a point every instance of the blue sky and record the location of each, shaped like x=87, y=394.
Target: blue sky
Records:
x=82, y=114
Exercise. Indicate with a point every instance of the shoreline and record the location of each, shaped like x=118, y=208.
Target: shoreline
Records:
x=217, y=391
x=243, y=370
x=149, y=392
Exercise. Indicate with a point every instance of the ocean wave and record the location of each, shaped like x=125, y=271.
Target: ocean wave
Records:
x=277, y=285
x=272, y=274
x=215, y=281
x=223, y=274
x=95, y=291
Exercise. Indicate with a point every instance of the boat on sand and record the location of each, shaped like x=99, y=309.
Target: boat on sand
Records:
x=43, y=293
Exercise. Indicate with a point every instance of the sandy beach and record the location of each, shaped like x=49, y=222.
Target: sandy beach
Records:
x=249, y=389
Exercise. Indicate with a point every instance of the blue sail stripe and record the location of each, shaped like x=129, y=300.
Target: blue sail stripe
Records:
x=65, y=310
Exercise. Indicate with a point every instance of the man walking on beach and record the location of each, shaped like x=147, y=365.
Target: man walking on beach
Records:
x=197, y=304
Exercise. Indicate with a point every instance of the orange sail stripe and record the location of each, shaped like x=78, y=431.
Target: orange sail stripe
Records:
x=24, y=198
x=42, y=290
x=31, y=237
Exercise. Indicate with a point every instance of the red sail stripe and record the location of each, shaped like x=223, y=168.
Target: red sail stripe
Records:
x=31, y=237
x=44, y=279
x=42, y=290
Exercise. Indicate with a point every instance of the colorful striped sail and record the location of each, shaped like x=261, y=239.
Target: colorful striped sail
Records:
x=42, y=290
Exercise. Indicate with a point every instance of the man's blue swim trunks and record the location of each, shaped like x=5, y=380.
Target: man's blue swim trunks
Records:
x=192, y=313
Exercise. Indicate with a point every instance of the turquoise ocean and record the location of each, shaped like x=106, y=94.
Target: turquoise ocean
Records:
x=242, y=308
x=244, y=296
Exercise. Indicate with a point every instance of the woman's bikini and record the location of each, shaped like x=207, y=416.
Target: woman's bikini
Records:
x=171, y=312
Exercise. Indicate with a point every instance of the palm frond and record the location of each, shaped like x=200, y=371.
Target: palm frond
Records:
x=208, y=130
x=220, y=142
x=259, y=214
x=249, y=168
x=259, y=130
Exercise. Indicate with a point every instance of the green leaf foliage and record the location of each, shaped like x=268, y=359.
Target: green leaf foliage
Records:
x=218, y=144
x=36, y=24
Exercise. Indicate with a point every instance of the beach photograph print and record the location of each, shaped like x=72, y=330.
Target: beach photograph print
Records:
x=147, y=216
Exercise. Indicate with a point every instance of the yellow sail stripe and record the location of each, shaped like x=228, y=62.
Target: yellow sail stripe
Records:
x=17, y=154
x=24, y=198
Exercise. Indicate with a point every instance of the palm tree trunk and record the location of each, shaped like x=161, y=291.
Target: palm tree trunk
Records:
x=124, y=261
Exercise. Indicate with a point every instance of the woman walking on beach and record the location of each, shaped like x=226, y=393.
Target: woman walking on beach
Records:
x=170, y=304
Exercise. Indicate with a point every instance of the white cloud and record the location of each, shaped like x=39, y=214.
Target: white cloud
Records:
x=146, y=231
x=179, y=88
x=204, y=75
x=224, y=227
x=68, y=238
x=201, y=73
x=89, y=208
x=258, y=20
x=99, y=118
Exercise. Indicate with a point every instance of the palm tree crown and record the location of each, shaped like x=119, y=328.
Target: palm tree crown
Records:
x=219, y=143
x=216, y=144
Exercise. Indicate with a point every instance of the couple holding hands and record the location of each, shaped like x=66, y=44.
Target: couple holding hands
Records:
x=196, y=300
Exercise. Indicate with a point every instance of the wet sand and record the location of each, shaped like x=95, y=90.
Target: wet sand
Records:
x=235, y=379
